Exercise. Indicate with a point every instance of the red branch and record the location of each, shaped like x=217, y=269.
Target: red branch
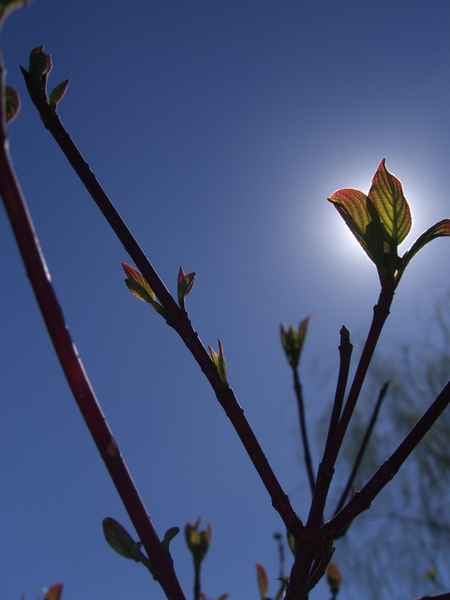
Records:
x=73, y=369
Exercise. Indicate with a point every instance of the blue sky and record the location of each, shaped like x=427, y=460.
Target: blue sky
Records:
x=218, y=128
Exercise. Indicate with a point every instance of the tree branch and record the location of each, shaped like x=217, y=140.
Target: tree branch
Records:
x=326, y=468
x=176, y=318
x=70, y=361
x=303, y=428
x=363, y=448
x=362, y=500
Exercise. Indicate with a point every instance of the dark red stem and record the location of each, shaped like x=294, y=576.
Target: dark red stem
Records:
x=69, y=359
x=176, y=317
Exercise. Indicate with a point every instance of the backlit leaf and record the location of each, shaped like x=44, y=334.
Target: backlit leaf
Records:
x=334, y=577
x=362, y=219
x=263, y=582
x=137, y=284
x=139, y=287
x=219, y=362
x=440, y=229
x=386, y=193
x=54, y=592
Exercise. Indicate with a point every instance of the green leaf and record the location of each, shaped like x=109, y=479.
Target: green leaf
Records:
x=219, y=362
x=387, y=196
x=7, y=7
x=185, y=284
x=291, y=542
x=139, y=287
x=198, y=541
x=293, y=340
x=359, y=213
x=440, y=229
x=118, y=538
x=58, y=93
x=12, y=104
x=263, y=582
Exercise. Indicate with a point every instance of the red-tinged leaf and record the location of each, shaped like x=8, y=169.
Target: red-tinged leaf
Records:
x=137, y=284
x=440, y=229
x=223, y=597
x=54, y=593
x=362, y=219
x=334, y=577
x=185, y=284
x=39, y=68
x=387, y=196
x=263, y=582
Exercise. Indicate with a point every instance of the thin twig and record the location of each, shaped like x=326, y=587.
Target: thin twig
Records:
x=363, y=448
x=444, y=596
x=326, y=468
x=176, y=318
x=303, y=428
x=66, y=351
x=362, y=500
x=345, y=353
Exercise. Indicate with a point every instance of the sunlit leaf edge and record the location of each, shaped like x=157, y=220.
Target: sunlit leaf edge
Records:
x=439, y=229
x=386, y=194
x=362, y=219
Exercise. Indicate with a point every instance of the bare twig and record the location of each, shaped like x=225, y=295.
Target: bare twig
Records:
x=326, y=468
x=362, y=500
x=345, y=353
x=363, y=448
x=303, y=428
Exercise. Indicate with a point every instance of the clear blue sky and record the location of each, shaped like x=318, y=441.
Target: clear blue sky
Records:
x=218, y=128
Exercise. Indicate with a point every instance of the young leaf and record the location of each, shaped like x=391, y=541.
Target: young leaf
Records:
x=291, y=542
x=263, y=582
x=292, y=341
x=440, y=229
x=57, y=94
x=139, y=287
x=12, y=104
x=118, y=538
x=54, y=592
x=185, y=284
x=219, y=363
x=387, y=196
x=359, y=213
x=39, y=68
x=198, y=541
x=334, y=577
